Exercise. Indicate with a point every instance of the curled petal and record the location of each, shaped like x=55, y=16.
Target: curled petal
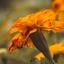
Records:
x=16, y=26
x=15, y=43
x=21, y=40
x=33, y=18
x=57, y=26
x=44, y=16
x=29, y=43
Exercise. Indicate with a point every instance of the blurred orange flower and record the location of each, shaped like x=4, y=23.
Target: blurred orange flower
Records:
x=55, y=49
x=30, y=24
x=58, y=5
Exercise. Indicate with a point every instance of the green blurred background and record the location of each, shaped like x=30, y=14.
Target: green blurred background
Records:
x=12, y=10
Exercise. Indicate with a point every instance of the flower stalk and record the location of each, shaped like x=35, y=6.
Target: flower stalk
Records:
x=40, y=43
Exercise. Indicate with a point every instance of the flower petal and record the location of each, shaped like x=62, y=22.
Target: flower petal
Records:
x=29, y=43
x=57, y=26
x=21, y=40
x=14, y=43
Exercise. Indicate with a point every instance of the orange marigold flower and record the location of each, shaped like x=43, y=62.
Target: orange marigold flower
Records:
x=29, y=25
x=58, y=5
x=55, y=49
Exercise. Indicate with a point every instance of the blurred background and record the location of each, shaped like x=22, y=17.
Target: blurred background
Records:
x=12, y=10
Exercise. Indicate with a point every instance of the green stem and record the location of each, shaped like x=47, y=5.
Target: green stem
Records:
x=41, y=44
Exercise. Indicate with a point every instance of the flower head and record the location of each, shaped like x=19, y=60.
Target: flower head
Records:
x=30, y=24
x=55, y=49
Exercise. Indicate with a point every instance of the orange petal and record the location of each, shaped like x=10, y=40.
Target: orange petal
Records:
x=21, y=40
x=43, y=16
x=38, y=56
x=57, y=26
x=33, y=18
x=29, y=43
x=11, y=49
x=17, y=42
